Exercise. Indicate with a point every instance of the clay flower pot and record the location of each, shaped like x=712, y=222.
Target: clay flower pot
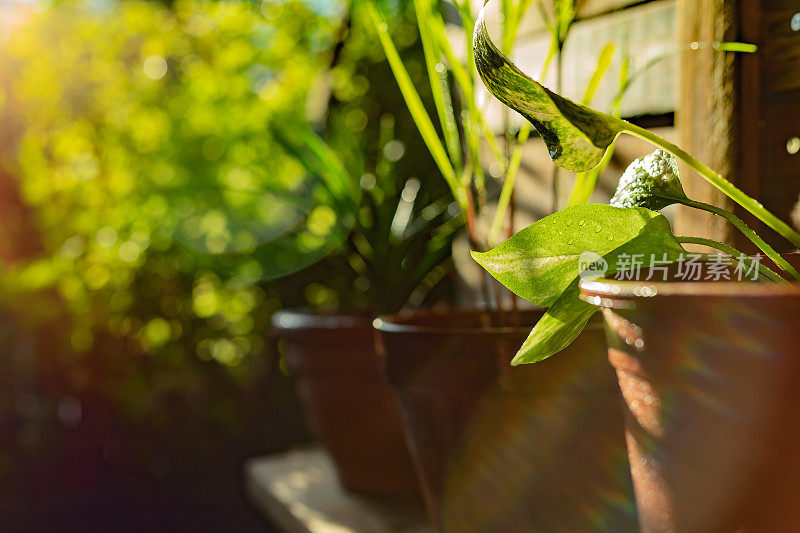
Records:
x=349, y=407
x=500, y=448
x=710, y=374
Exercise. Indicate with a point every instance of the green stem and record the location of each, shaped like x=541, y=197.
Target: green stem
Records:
x=749, y=233
x=508, y=187
x=763, y=271
x=559, y=79
x=734, y=193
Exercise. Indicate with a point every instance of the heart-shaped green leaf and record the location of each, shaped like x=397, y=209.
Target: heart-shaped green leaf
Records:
x=539, y=262
x=564, y=321
x=576, y=136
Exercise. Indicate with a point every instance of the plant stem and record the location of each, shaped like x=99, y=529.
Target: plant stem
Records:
x=559, y=79
x=472, y=237
x=734, y=193
x=749, y=233
x=763, y=271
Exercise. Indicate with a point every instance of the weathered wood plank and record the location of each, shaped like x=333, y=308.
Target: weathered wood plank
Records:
x=705, y=117
x=533, y=22
x=768, y=109
x=748, y=103
x=780, y=171
x=781, y=45
x=592, y=8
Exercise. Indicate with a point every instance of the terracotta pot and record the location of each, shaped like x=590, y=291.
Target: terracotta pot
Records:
x=349, y=407
x=500, y=448
x=709, y=372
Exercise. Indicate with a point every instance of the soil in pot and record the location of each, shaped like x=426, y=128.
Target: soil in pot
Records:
x=500, y=448
x=349, y=406
x=709, y=372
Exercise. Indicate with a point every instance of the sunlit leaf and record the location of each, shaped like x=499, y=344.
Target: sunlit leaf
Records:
x=567, y=317
x=539, y=262
x=577, y=137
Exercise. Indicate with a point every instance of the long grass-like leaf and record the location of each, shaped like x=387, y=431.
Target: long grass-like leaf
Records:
x=516, y=158
x=416, y=107
x=466, y=83
x=320, y=159
x=603, y=62
x=437, y=75
x=586, y=182
x=508, y=186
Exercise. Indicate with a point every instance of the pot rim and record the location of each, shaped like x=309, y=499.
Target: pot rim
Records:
x=395, y=323
x=288, y=320
x=615, y=294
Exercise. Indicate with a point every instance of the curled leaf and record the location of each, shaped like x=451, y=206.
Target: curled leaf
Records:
x=576, y=136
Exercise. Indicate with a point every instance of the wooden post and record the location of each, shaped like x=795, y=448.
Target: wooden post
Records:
x=769, y=102
x=706, y=113
x=740, y=113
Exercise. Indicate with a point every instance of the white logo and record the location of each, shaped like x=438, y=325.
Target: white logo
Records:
x=592, y=266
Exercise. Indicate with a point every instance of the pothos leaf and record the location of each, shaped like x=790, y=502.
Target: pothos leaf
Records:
x=539, y=262
x=564, y=321
x=576, y=136
x=556, y=330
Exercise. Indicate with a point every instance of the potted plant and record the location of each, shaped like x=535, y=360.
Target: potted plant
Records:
x=466, y=413
x=703, y=352
x=331, y=353
x=397, y=253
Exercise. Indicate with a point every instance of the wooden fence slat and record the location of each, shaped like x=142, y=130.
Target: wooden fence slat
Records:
x=705, y=118
x=781, y=43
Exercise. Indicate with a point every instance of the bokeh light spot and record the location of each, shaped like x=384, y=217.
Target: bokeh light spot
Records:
x=155, y=67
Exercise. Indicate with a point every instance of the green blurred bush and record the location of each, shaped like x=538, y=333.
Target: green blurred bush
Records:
x=138, y=137
x=147, y=159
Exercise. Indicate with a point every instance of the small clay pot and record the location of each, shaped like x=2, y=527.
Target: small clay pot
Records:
x=498, y=448
x=710, y=374
x=349, y=407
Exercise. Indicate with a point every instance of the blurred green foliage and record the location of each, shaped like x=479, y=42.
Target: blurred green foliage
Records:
x=147, y=159
x=138, y=136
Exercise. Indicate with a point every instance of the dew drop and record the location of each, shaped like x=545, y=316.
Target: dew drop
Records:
x=581, y=222
x=569, y=242
x=598, y=229
x=610, y=237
